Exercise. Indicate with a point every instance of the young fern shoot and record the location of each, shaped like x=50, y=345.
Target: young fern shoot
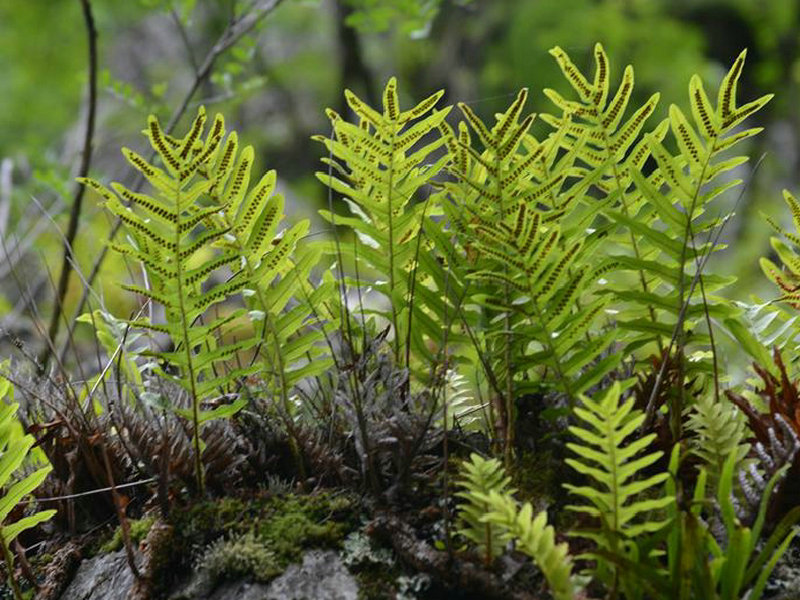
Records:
x=615, y=497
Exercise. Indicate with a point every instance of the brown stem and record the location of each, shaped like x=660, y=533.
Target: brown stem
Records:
x=77, y=202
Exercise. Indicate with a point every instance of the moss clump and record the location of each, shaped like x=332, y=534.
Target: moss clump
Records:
x=139, y=528
x=239, y=556
x=260, y=536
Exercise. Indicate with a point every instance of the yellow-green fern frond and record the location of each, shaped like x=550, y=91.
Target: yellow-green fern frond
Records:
x=535, y=538
x=618, y=495
x=479, y=478
x=379, y=165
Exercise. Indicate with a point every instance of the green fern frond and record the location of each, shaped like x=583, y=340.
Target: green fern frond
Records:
x=479, y=478
x=687, y=181
x=535, y=538
x=618, y=497
x=510, y=205
x=14, y=450
x=379, y=165
x=720, y=432
x=172, y=233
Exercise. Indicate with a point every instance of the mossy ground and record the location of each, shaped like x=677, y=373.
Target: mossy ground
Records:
x=274, y=531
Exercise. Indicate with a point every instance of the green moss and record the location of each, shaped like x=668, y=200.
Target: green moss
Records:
x=240, y=556
x=138, y=531
x=260, y=536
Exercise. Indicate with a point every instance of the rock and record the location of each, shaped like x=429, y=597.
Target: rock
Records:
x=240, y=591
x=322, y=576
x=105, y=577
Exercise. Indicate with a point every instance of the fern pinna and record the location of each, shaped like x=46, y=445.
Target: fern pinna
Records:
x=173, y=235
x=379, y=167
x=525, y=259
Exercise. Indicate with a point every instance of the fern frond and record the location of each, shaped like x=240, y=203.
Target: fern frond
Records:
x=510, y=206
x=535, y=538
x=14, y=450
x=380, y=165
x=172, y=233
x=720, y=432
x=619, y=497
x=479, y=478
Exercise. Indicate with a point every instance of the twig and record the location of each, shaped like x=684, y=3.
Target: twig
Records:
x=77, y=202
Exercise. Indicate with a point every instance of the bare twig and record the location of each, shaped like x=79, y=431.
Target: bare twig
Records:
x=77, y=202
x=6, y=170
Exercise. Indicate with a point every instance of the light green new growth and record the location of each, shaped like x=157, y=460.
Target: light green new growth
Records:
x=480, y=477
x=535, y=538
x=720, y=432
x=490, y=517
x=618, y=494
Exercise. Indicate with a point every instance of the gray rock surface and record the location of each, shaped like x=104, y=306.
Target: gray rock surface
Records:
x=240, y=591
x=322, y=576
x=105, y=577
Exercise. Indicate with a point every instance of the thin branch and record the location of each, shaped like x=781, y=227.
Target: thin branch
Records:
x=77, y=202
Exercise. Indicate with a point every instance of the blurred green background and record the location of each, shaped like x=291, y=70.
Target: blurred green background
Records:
x=274, y=84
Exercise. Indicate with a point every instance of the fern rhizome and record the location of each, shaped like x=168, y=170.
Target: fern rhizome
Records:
x=541, y=262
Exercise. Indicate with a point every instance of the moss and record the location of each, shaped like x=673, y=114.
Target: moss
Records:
x=139, y=528
x=259, y=536
x=377, y=582
x=240, y=556
x=535, y=476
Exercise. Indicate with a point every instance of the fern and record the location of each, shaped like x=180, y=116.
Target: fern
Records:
x=481, y=477
x=490, y=517
x=14, y=448
x=661, y=214
x=379, y=166
x=719, y=431
x=170, y=234
x=691, y=179
x=534, y=537
x=609, y=146
x=275, y=267
x=523, y=259
x=621, y=501
x=786, y=279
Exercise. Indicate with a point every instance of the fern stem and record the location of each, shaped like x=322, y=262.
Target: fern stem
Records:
x=390, y=180
x=676, y=410
x=556, y=363
x=187, y=346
